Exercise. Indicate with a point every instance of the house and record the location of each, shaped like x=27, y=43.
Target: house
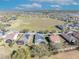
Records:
x=70, y=26
x=74, y=17
x=54, y=38
x=69, y=38
x=39, y=38
x=76, y=34
x=73, y=26
x=61, y=27
x=24, y=38
x=55, y=41
x=11, y=36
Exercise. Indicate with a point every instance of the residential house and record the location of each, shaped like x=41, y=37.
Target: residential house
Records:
x=54, y=38
x=69, y=38
x=39, y=38
x=11, y=36
x=24, y=39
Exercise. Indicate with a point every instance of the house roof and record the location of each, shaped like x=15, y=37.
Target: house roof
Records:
x=61, y=27
x=39, y=38
x=76, y=34
x=25, y=37
x=69, y=37
x=11, y=35
x=55, y=38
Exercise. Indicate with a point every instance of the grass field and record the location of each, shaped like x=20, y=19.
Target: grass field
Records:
x=35, y=23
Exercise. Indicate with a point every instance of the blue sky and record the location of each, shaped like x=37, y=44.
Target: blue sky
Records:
x=39, y=4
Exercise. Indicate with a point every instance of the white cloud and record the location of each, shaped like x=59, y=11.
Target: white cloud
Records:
x=18, y=8
x=29, y=6
x=56, y=7
x=62, y=2
x=75, y=3
x=34, y=5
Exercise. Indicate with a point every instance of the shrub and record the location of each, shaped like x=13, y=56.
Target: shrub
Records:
x=40, y=50
x=21, y=53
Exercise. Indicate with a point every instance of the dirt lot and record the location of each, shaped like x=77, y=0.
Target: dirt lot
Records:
x=4, y=52
x=64, y=55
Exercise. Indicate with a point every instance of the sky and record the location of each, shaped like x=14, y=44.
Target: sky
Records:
x=39, y=4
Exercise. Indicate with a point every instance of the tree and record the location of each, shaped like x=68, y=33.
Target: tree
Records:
x=22, y=52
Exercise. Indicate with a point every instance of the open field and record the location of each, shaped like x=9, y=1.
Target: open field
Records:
x=36, y=24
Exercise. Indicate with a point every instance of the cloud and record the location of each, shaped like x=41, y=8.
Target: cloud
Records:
x=74, y=3
x=56, y=7
x=62, y=2
x=29, y=6
x=18, y=8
